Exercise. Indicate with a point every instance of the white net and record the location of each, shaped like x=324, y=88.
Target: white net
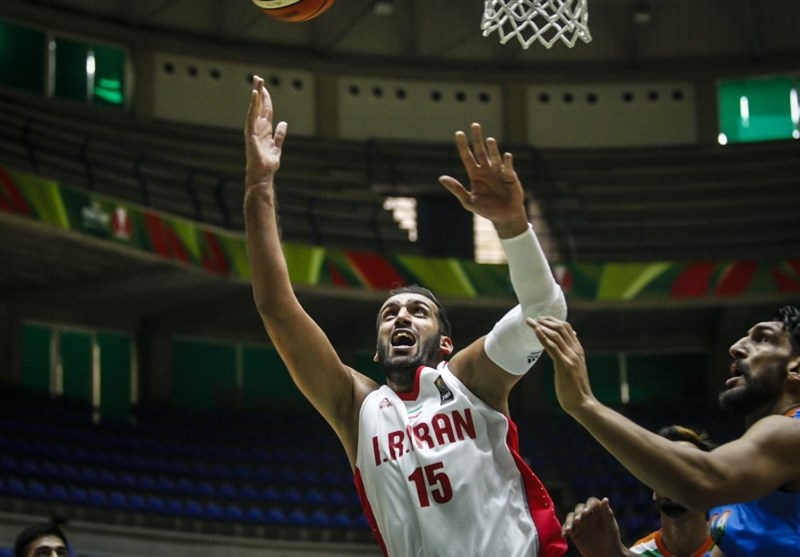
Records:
x=546, y=21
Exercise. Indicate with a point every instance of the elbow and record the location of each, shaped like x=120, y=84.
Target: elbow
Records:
x=555, y=307
x=558, y=308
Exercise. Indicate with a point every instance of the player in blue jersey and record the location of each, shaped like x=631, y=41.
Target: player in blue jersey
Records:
x=752, y=484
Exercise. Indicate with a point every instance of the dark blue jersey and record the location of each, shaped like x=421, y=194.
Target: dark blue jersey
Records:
x=766, y=527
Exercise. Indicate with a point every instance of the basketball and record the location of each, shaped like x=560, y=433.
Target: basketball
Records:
x=293, y=10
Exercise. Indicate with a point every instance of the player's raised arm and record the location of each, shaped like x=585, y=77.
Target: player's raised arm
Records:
x=492, y=365
x=759, y=462
x=333, y=388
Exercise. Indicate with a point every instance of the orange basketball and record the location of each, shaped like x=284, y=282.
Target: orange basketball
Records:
x=293, y=10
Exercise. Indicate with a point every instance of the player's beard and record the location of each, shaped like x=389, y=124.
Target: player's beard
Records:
x=756, y=392
x=401, y=370
x=670, y=507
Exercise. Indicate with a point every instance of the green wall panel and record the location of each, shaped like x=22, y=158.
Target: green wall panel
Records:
x=265, y=379
x=76, y=363
x=36, y=364
x=22, y=57
x=115, y=375
x=203, y=373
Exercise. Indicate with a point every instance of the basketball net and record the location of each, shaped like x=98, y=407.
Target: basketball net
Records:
x=545, y=21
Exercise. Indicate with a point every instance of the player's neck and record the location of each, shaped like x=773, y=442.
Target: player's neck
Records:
x=401, y=380
x=683, y=536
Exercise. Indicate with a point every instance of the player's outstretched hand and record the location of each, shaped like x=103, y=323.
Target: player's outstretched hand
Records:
x=495, y=192
x=263, y=144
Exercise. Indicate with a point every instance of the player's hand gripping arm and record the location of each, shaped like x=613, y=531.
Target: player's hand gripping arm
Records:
x=492, y=365
x=333, y=388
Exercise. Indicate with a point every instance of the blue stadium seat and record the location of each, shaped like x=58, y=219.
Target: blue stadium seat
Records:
x=206, y=489
x=175, y=506
x=28, y=467
x=37, y=489
x=137, y=502
x=69, y=472
x=77, y=495
x=97, y=497
x=275, y=516
x=117, y=500
x=107, y=478
x=270, y=495
x=212, y=511
x=228, y=490
x=145, y=482
x=184, y=486
x=291, y=495
x=233, y=513
x=319, y=518
x=342, y=519
x=298, y=517
x=248, y=491
x=49, y=469
x=87, y=475
x=255, y=514
x=361, y=521
x=242, y=472
x=338, y=497
x=287, y=476
x=58, y=493
x=155, y=504
x=166, y=484
x=264, y=474
x=310, y=477
x=200, y=468
x=314, y=496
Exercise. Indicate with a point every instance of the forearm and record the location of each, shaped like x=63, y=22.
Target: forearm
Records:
x=531, y=277
x=678, y=472
x=512, y=344
x=272, y=287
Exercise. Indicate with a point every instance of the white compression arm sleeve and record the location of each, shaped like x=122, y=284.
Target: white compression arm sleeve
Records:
x=511, y=344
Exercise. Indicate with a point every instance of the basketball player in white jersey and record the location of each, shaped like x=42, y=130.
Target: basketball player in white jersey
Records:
x=434, y=451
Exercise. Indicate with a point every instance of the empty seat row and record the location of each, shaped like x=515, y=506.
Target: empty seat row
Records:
x=286, y=512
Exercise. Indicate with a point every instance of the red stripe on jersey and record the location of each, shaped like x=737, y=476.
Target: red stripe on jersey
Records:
x=373, y=524
x=551, y=544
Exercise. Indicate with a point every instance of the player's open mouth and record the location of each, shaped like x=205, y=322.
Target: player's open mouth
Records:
x=736, y=373
x=403, y=338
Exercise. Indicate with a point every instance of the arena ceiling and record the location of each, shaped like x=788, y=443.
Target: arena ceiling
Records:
x=50, y=274
x=444, y=34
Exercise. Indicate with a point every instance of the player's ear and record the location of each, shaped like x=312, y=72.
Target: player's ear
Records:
x=793, y=369
x=375, y=357
x=445, y=345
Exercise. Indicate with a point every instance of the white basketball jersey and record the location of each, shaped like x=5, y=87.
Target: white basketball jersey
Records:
x=439, y=475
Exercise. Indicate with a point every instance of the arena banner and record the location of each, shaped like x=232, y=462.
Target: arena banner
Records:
x=224, y=253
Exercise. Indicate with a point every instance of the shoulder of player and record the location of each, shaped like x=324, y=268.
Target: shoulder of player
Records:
x=776, y=432
x=347, y=416
x=774, y=424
